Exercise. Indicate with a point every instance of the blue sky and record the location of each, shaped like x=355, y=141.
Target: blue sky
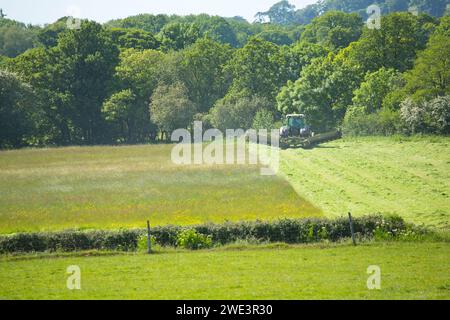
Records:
x=46, y=11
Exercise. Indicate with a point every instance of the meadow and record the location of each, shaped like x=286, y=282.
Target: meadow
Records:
x=115, y=187
x=122, y=187
x=408, y=271
x=409, y=177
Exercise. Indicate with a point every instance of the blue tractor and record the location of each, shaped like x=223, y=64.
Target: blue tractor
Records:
x=298, y=134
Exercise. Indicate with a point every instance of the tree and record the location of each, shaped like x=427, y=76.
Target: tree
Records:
x=140, y=70
x=334, y=29
x=217, y=29
x=305, y=52
x=374, y=110
x=280, y=13
x=435, y=8
x=260, y=68
x=397, y=5
x=305, y=15
x=202, y=71
x=86, y=60
x=322, y=93
x=48, y=36
x=17, y=112
x=119, y=111
x=171, y=109
x=134, y=38
x=73, y=79
x=3, y=60
x=430, y=76
x=16, y=39
x=276, y=36
x=237, y=112
x=264, y=120
x=443, y=28
x=242, y=29
x=177, y=36
x=376, y=86
x=137, y=74
x=38, y=68
x=147, y=22
x=393, y=46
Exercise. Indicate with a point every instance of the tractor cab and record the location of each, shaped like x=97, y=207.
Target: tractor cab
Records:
x=296, y=121
x=295, y=126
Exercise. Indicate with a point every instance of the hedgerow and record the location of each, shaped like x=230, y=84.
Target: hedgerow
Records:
x=68, y=241
x=292, y=231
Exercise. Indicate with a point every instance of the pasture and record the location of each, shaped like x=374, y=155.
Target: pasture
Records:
x=115, y=187
x=409, y=177
x=408, y=271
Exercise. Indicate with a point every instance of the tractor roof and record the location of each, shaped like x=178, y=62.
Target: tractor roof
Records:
x=295, y=116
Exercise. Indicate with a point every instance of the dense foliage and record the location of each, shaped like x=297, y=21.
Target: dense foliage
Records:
x=130, y=80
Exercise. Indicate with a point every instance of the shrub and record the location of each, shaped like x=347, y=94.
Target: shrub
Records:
x=191, y=239
x=414, y=116
x=264, y=119
x=167, y=235
x=440, y=114
x=67, y=241
x=384, y=122
x=237, y=112
x=291, y=231
x=142, y=242
x=427, y=116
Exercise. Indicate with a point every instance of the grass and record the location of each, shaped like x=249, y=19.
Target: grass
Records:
x=115, y=187
x=408, y=271
x=112, y=187
x=405, y=176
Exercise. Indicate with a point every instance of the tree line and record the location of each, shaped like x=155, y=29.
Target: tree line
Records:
x=286, y=14
x=126, y=82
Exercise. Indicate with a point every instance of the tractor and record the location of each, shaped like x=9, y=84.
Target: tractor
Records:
x=298, y=134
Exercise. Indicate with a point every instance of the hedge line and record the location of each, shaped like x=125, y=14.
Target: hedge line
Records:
x=68, y=241
x=291, y=231
x=286, y=230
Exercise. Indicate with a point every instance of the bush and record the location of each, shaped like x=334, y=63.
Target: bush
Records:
x=385, y=122
x=67, y=241
x=142, y=242
x=237, y=112
x=264, y=120
x=292, y=231
x=191, y=239
x=427, y=116
x=440, y=114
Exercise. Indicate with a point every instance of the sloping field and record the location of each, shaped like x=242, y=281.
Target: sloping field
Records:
x=409, y=177
x=114, y=187
x=408, y=271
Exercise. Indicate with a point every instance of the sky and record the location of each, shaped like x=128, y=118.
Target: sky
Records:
x=48, y=11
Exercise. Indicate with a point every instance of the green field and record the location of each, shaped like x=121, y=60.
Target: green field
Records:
x=114, y=187
x=408, y=271
x=405, y=176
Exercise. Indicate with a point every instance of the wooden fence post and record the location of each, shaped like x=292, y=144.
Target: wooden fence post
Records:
x=149, y=239
x=352, y=229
